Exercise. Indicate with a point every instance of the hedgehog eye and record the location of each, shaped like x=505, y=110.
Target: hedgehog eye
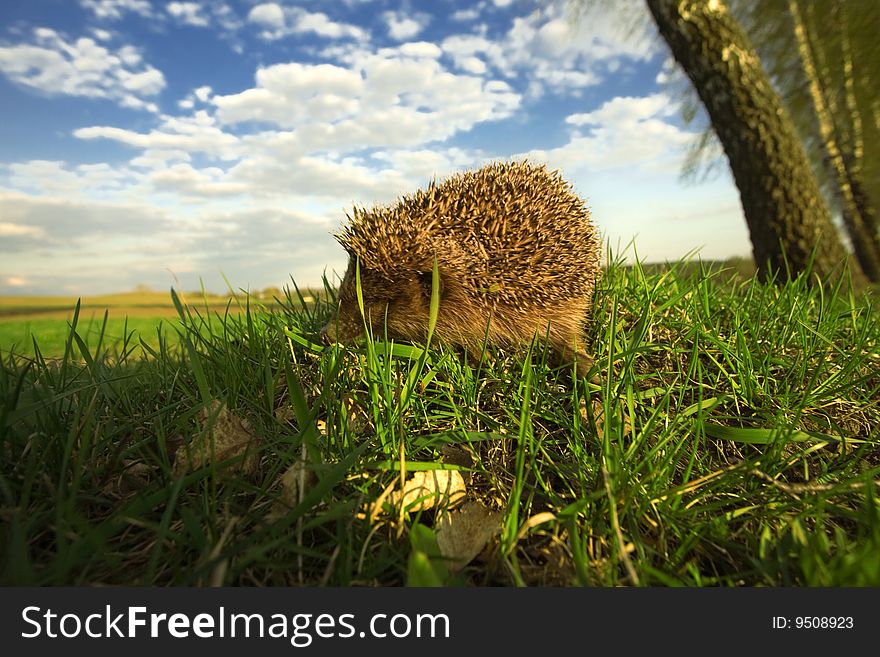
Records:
x=425, y=279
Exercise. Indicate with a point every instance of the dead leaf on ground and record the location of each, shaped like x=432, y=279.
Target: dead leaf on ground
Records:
x=422, y=491
x=534, y=521
x=599, y=413
x=285, y=414
x=462, y=534
x=296, y=482
x=223, y=437
x=135, y=476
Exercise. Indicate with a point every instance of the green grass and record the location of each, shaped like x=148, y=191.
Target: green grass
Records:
x=154, y=302
x=732, y=439
x=51, y=335
x=138, y=315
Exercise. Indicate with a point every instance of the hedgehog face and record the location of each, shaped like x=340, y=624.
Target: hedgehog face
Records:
x=397, y=306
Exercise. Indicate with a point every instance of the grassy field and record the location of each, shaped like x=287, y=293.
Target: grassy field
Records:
x=51, y=334
x=134, y=303
x=731, y=438
x=132, y=317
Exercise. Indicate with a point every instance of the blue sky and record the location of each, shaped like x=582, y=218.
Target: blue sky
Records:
x=174, y=143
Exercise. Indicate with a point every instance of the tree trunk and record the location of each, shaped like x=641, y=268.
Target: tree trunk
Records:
x=789, y=223
x=858, y=215
x=853, y=162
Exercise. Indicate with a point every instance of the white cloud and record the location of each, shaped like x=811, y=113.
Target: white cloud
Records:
x=102, y=35
x=210, y=182
x=154, y=158
x=55, y=220
x=92, y=245
x=19, y=230
x=83, y=67
x=334, y=181
x=416, y=49
x=264, y=246
x=569, y=80
x=140, y=242
x=394, y=99
x=131, y=102
x=224, y=16
x=556, y=50
x=319, y=24
x=198, y=95
x=425, y=164
x=313, y=124
x=624, y=132
x=279, y=22
x=116, y=9
x=404, y=26
x=398, y=97
x=188, y=13
x=626, y=111
x=147, y=83
x=214, y=14
x=203, y=93
x=624, y=159
x=463, y=49
x=183, y=180
x=194, y=134
x=473, y=65
x=268, y=14
x=54, y=177
x=129, y=55
x=15, y=281
x=465, y=14
x=391, y=100
x=286, y=94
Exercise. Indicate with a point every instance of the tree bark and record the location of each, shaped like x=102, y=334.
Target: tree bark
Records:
x=789, y=224
x=857, y=213
x=853, y=162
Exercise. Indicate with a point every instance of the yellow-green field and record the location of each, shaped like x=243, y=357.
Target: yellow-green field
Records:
x=138, y=314
x=133, y=304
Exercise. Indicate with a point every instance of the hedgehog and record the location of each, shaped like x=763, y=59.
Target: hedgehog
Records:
x=516, y=253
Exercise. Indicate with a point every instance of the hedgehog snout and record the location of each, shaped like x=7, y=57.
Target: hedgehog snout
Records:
x=341, y=327
x=328, y=333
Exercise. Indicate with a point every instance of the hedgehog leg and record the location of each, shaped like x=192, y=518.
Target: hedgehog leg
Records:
x=572, y=349
x=585, y=365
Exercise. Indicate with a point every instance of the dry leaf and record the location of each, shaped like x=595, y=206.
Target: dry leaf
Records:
x=534, y=521
x=295, y=484
x=599, y=413
x=424, y=490
x=224, y=437
x=463, y=534
x=135, y=476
